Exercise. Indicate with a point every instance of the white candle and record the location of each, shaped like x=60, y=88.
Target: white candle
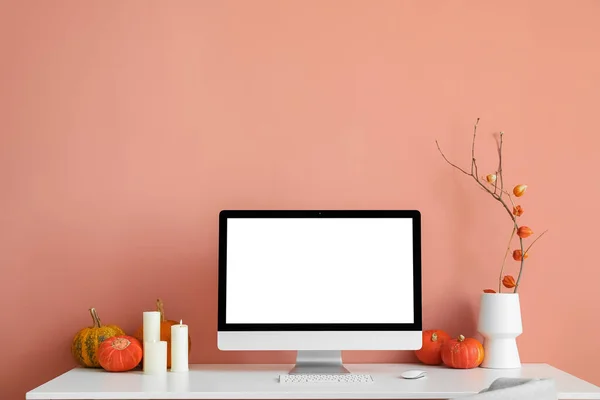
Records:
x=179, y=347
x=151, y=326
x=155, y=357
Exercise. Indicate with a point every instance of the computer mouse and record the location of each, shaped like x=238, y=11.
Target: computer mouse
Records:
x=413, y=374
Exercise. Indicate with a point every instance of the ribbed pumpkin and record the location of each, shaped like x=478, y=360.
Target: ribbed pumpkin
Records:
x=462, y=352
x=430, y=352
x=165, y=331
x=86, y=342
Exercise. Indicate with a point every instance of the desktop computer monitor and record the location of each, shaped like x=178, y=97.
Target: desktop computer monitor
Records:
x=319, y=282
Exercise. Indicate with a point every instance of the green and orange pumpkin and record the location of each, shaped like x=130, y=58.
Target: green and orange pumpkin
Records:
x=86, y=342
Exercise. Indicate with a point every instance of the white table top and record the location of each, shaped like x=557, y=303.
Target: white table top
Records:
x=235, y=381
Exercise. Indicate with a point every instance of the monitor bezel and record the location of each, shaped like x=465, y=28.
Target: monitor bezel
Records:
x=415, y=215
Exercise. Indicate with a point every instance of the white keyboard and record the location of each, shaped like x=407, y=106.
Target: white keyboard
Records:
x=325, y=378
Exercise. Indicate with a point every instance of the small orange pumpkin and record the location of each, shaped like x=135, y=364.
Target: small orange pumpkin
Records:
x=430, y=352
x=462, y=353
x=120, y=353
x=165, y=331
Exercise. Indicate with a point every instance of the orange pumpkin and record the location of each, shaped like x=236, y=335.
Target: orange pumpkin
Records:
x=165, y=331
x=462, y=353
x=120, y=353
x=430, y=352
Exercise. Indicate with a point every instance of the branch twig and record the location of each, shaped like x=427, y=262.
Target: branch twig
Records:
x=504, y=261
x=522, y=264
x=473, y=163
x=448, y=161
x=498, y=196
x=500, y=162
x=523, y=258
x=506, y=192
x=536, y=239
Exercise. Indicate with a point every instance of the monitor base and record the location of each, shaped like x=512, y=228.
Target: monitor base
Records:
x=319, y=362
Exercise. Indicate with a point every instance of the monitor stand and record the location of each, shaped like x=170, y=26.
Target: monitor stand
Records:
x=319, y=362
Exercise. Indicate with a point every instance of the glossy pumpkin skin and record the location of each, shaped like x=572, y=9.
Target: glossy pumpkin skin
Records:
x=84, y=347
x=462, y=353
x=433, y=340
x=120, y=353
x=165, y=331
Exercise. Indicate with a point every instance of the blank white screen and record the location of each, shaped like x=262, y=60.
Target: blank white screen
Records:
x=319, y=270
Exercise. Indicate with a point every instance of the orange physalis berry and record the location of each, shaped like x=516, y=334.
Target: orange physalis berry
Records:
x=489, y=291
x=519, y=190
x=517, y=255
x=524, y=232
x=491, y=178
x=518, y=211
x=509, y=282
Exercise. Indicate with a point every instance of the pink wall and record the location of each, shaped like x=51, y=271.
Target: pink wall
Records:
x=127, y=126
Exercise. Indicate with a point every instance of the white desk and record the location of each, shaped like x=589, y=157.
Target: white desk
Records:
x=226, y=381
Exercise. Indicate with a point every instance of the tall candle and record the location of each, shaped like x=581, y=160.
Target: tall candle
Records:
x=151, y=326
x=155, y=357
x=179, y=347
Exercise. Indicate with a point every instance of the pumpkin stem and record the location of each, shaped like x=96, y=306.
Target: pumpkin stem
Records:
x=160, y=308
x=95, y=318
x=434, y=337
x=461, y=338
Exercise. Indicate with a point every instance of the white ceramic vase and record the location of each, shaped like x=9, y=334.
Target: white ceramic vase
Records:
x=500, y=324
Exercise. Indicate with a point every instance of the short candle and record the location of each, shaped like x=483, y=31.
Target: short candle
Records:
x=155, y=357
